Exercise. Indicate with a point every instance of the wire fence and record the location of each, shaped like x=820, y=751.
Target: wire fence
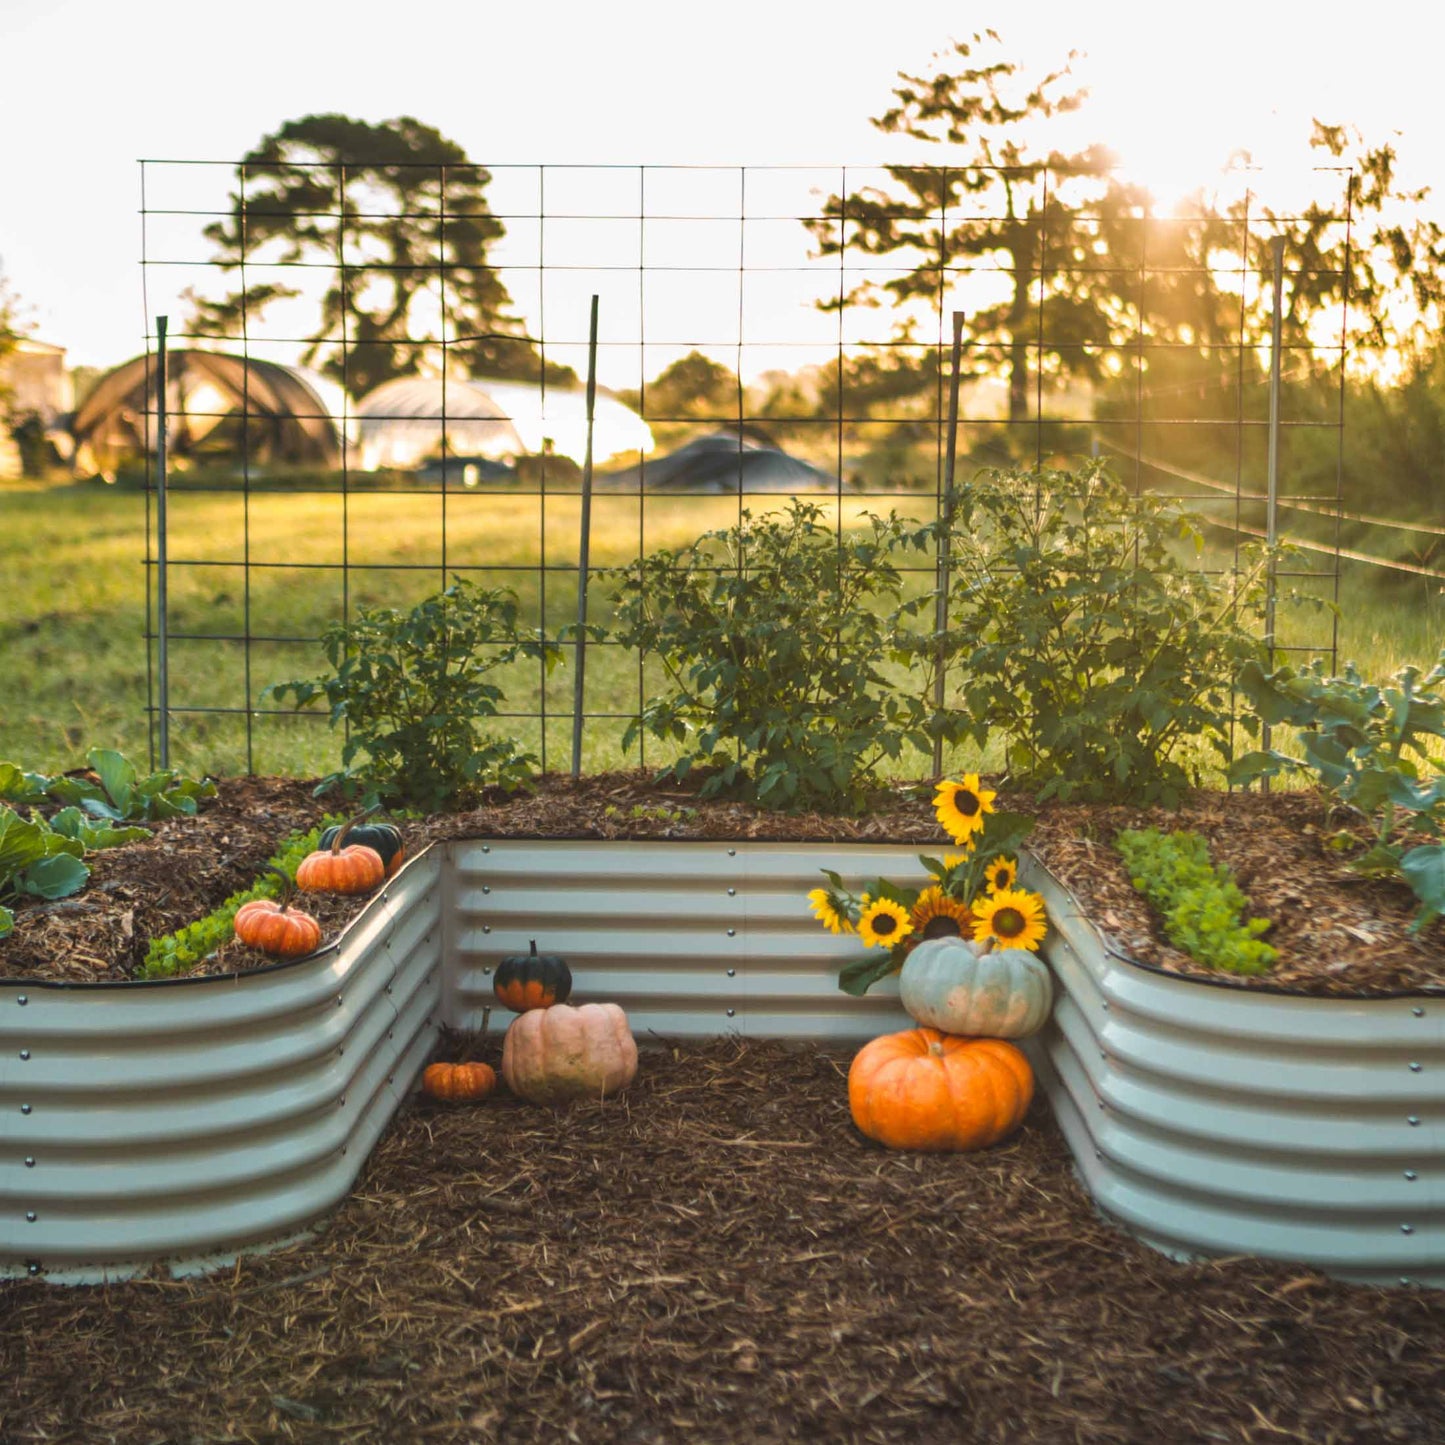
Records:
x=371, y=392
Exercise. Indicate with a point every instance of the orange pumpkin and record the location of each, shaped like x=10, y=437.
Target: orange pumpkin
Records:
x=341, y=868
x=459, y=1082
x=922, y=1089
x=276, y=928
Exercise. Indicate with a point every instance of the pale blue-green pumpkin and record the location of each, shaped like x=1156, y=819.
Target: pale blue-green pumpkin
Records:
x=947, y=984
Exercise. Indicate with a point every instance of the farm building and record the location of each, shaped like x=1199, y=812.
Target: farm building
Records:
x=402, y=422
x=33, y=384
x=733, y=459
x=291, y=416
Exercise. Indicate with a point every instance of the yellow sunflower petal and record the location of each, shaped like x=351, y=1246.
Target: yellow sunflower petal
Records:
x=827, y=911
x=1001, y=873
x=883, y=923
x=960, y=806
x=1011, y=918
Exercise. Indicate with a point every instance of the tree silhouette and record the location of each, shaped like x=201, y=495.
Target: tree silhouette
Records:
x=1044, y=251
x=399, y=216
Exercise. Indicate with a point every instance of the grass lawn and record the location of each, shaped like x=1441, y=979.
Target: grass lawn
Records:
x=72, y=613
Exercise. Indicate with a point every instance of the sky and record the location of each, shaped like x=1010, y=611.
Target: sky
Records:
x=88, y=89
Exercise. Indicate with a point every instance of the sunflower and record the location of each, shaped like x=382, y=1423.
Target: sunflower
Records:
x=1010, y=918
x=936, y=915
x=883, y=922
x=960, y=807
x=828, y=910
x=1001, y=874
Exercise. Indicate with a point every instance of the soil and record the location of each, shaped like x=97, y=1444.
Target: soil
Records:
x=718, y=1255
x=1337, y=933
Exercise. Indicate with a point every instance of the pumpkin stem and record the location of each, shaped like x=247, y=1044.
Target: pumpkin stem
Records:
x=936, y=1049
x=532, y=942
x=288, y=885
x=348, y=825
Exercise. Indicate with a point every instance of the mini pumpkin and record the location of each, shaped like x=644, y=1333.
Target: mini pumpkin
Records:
x=341, y=867
x=458, y=1083
x=554, y=1055
x=951, y=985
x=532, y=980
x=385, y=838
x=275, y=927
x=921, y=1089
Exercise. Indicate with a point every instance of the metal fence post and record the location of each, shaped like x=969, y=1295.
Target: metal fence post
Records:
x=162, y=628
x=584, y=548
x=1271, y=514
x=940, y=620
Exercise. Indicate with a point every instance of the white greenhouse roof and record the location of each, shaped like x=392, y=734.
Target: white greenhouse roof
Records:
x=400, y=423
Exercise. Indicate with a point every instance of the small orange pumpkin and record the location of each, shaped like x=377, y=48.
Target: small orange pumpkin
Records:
x=341, y=868
x=921, y=1089
x=276, y=928
x=459, y=1083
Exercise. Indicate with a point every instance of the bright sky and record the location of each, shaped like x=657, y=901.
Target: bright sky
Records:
x=88, y=87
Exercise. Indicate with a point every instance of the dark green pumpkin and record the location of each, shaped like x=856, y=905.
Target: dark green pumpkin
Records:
x=532, y=980
x=384, y=837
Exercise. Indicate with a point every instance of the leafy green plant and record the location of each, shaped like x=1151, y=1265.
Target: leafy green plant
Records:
x=1199, y=900
x=1371, y=747
x=773, y=635
x=36, y=861
x=411, y=687
x=118, y=793
x=181, y=951
x=1082, y=636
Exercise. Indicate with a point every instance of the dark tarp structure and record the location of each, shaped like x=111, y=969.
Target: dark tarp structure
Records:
x=292, y=417
x=725, y=461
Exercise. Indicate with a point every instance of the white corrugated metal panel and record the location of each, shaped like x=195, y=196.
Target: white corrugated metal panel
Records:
x=1229, y=1120
x=186, y=1119
x=691, y=939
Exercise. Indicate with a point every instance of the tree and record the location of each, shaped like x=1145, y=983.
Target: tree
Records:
x=1369, y=247
x=399, y=215
x=1044, y=246
x=692, y=386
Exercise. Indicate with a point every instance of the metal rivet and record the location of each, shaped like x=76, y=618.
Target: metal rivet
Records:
x=1414, y=1067
x=343, y=1098
x=731, y=1012
x=33, y=1267
x=30, y=1216
x=1105, y=1005
x=1418, y=1012
x=1405, y=1279
x=487, y=968
x=25, y=1108
x=732, y=893
x=1411, y=1175
x=485, y=848
x=1098, y=1153
x=486, y=887
x=338, y=1000
x=22, y=1000
x=732, y=852
x=486, y=928
x=732, y=933
x=1413, y=1121
x=1102, y=1104
x=24, y=1053
x=30, y=1161
x=1407, y=1229
x=388, y=988
x=732, y=973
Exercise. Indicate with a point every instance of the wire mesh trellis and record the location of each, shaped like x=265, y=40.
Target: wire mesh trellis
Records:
x=759, y=280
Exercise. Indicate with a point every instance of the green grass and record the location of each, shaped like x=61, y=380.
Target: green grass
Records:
x=72, y=611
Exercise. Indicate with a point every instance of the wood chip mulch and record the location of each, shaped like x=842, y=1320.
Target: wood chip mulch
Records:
x=1337, y=934
x=718, y=1255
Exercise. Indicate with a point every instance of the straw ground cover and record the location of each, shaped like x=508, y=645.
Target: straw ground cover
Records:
x=72, y=613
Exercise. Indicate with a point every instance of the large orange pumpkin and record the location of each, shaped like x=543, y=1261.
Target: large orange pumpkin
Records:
x=922, y=1089
x=553, y=1055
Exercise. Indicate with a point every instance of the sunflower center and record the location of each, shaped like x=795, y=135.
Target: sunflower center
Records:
x=1009, y=923
x=885, y=924
x=942, y=926
x=966, y=803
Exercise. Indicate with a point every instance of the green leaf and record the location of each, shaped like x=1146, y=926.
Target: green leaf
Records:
x=858, y=976
x=1381, y=861
x=18, y=786
x=7, y=921
x=1424, y=871
x=55, y=877
x=117, y=776
x=21, y=844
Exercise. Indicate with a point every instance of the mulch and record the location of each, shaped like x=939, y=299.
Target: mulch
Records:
x=718, y=1255
x=1338, y=934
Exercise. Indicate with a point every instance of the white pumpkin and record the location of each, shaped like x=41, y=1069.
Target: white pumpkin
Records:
x=947, y=985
